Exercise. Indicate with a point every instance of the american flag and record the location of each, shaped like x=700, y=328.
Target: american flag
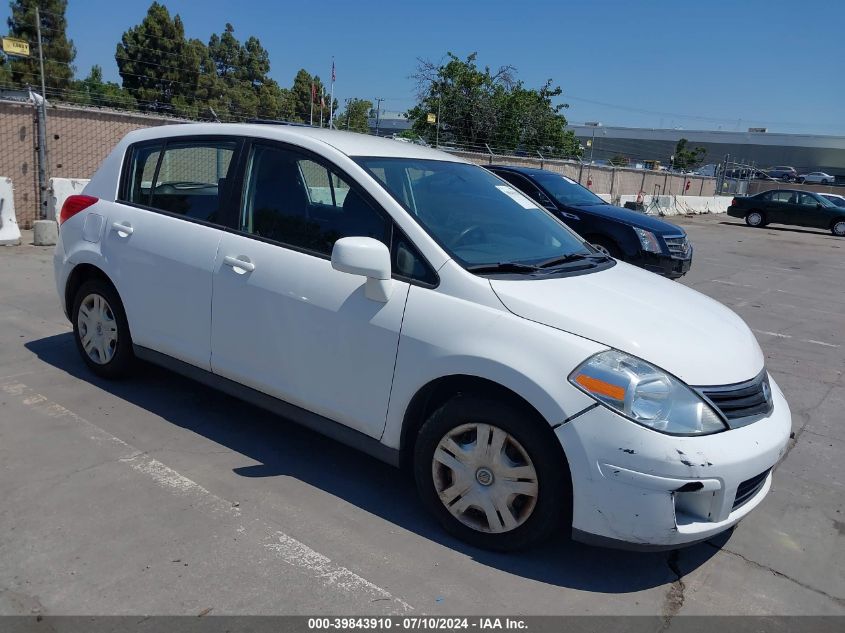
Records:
x=333, y=77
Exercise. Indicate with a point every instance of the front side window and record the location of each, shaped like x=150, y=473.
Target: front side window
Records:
x=808, y=200
x=294, y=200
x=476, y=217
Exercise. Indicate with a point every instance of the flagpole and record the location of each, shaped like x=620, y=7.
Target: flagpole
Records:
x=312, y=104
x=331, y=100
x=322, y=103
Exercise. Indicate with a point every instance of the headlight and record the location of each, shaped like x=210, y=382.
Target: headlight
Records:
x=645, y=394
x=648, y=241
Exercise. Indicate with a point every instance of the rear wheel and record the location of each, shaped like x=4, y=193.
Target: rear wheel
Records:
x=101, y=330
x=490, y=474
x=755, y=219
x=838, y=228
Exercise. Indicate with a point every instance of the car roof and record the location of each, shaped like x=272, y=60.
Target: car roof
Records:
x=349, y=143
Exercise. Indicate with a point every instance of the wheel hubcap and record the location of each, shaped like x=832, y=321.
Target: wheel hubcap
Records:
x=485, y=478
x=97, y=329
x=839, y=228
x=601, y=249
x=754, y=219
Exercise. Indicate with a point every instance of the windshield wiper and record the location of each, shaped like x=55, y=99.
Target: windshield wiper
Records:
x=503, y=267
x=573, y=257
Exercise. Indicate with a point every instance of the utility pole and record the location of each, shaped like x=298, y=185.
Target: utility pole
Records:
x=437, y=133
x=378, y=113
x=594, y=125
x=40, y=50
x=347, y=113
x=42, y=124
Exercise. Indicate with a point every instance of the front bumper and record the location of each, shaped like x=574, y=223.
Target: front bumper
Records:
x=664, y=265
x=640, y=489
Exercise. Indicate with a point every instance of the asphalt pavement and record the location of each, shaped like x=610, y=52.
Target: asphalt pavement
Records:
x=158, y=495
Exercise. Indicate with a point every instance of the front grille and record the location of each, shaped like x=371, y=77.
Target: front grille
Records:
x=742, y=400
x=678, y=246
x=748, y=488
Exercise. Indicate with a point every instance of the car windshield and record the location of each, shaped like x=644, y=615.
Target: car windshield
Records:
x=476, y=217
x=824, y=201
x=566, y=191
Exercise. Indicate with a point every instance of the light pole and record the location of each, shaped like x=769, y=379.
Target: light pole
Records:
x=594, y=125
x=378, y=112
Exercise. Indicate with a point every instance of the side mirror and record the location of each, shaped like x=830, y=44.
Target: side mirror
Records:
x=368, y=258
x=818, y=205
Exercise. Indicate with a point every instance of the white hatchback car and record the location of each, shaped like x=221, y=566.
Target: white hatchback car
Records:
x=417, y=307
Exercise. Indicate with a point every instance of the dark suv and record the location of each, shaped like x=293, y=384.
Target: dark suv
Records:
x=633, y=237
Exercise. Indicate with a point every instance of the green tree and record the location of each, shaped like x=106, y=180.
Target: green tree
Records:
x=159, y=67
x=355, y=117
x=94, y=91
x=5, y=73
x=301, y=96
x=619, y=160
x=479, y=107
x=687, y=159
x=59, y=52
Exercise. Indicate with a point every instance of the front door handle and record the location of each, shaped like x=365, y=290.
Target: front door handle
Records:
x=123, y=229
x=239, y=262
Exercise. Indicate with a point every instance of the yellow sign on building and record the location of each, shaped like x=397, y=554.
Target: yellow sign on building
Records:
x=12, y=46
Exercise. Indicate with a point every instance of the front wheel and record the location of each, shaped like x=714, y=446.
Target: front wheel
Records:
x=606, y=247
x=490, y=474
x=101, y=329
x=838, y=229
x=754, y=218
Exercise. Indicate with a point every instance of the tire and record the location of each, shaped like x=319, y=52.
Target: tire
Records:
x=524, y=507
x=825, y=181
x=606, y=246
x=838, y=228
x=755, y=219
x=101, y=330
x=786, y=178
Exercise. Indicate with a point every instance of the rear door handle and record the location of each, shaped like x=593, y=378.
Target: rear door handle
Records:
x=239, y=262
x=126, y=229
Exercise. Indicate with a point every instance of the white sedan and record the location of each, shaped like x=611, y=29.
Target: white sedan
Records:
x=816, y=176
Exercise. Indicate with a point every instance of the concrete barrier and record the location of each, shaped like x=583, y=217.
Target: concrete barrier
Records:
x=60, y=189
x=10, y=234
x=681, y=205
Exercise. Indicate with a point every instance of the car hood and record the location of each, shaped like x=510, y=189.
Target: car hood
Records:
x=678, y=329
x=634, y=218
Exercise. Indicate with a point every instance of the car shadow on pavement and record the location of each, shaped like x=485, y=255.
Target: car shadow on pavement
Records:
x=283, y=448
x=782, y=229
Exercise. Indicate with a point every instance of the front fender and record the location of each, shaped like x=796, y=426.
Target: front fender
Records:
x=443, y=335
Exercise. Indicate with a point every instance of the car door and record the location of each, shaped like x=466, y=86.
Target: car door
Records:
x=777, y=205
x=161, y=242
x=284, y=321
x=813, y=214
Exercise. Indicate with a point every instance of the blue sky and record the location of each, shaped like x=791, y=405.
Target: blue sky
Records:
x=722, y=64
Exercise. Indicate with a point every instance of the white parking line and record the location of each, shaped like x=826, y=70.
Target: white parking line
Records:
x=809, y=340
x=286, y=548
x=777, y=334
x=803, y=340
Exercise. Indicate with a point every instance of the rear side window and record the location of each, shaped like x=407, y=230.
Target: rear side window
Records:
x=782, y=196
x=184, y=178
